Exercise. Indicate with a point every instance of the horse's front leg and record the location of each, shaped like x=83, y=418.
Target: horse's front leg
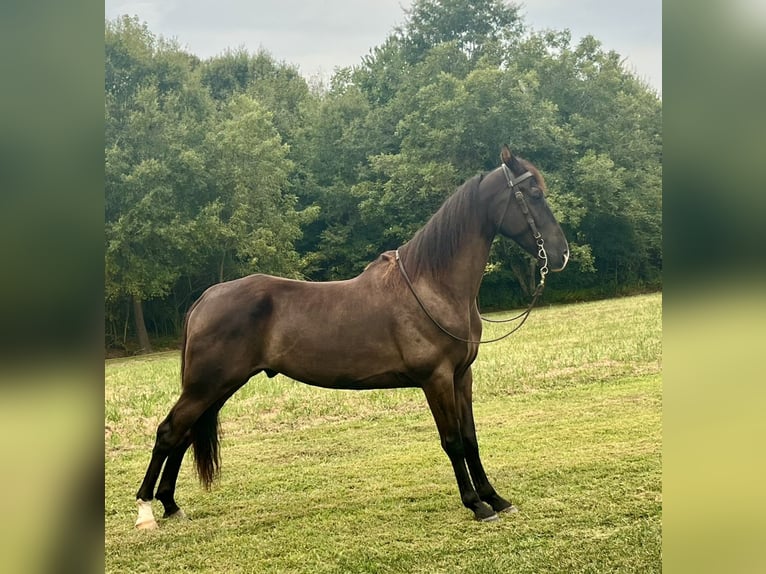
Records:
x=439, y=391
x=485, y=490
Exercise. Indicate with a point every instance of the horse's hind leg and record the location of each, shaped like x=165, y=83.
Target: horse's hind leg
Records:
x=170, y=436
x=167, y=486
x=440, y=394
x=463, y=396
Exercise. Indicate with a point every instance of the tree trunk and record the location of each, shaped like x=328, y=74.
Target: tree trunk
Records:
x=143, y=336
x=521, y=273
x=220, y=268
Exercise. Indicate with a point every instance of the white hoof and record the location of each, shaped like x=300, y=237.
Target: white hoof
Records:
x=148, y=525
x=145, y=520
x=177, y=515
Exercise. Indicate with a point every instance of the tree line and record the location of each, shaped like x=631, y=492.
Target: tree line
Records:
x=236, y=164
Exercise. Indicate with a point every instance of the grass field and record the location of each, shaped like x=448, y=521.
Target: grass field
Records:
x=568, y=413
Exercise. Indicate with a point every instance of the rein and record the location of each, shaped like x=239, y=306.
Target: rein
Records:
x=512, y=182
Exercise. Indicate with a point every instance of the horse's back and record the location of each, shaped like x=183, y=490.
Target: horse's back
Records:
x=255, y=294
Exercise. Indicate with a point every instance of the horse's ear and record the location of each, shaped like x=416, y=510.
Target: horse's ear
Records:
x=506, y=155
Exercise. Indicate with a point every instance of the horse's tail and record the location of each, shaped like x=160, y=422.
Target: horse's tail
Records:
x=204, y=432
x=207, y=457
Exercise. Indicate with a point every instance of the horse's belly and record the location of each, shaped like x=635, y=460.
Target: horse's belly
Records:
x=382, y=381
x=338, y=372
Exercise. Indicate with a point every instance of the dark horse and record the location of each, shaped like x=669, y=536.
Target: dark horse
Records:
x=382, y=329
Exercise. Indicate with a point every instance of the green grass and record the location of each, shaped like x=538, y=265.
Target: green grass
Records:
x=568, y=412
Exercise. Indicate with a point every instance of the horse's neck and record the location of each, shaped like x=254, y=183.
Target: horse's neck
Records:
x=460, y=277
x=467, y=269
x=464, y=276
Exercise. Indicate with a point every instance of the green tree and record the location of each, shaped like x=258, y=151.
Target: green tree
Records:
x=195, y=193
x=614, y=162
x=480, y=28
x=156, y=113
x=259, y=223
x=278, y=87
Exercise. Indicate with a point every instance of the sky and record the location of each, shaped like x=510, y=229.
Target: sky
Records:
x=319, y=36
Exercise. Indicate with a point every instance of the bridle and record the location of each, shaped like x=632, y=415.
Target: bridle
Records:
x=513, y=182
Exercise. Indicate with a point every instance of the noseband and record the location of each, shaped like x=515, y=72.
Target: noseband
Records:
x=512, y=183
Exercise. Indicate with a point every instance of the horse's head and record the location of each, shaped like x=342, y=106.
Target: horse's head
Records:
x=527, y=218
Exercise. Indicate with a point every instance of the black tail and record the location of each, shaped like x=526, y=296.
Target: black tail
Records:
x=205, y=442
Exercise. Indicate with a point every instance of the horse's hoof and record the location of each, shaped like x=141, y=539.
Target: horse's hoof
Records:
x=510, y=509
x=145, y=520
x=484, y=513
x=177, y=515
x=147, y=525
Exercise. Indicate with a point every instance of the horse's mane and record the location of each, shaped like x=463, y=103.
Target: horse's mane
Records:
x=434, y=245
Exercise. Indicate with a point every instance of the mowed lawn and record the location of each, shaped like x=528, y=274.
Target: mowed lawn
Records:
x=568, y=413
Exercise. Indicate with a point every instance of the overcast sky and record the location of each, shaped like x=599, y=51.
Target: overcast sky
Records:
x=320, y=35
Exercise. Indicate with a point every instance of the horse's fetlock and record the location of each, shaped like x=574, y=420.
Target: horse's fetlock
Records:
x=470, y=500
x=487, y=493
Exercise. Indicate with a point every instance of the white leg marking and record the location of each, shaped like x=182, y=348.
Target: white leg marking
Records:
x=145, y=520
